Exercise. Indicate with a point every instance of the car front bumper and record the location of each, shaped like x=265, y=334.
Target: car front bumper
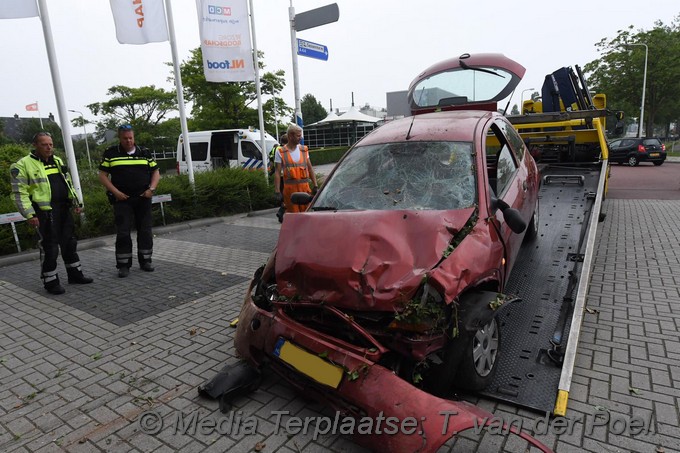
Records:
x=353, y=384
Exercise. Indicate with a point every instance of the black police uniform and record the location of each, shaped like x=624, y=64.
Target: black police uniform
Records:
x=131, y=174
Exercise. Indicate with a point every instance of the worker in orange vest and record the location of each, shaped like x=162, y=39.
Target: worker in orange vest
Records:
x=293, y=165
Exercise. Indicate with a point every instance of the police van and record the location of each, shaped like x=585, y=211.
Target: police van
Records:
x=223, y=148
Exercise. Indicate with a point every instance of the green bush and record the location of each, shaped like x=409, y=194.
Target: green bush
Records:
x=8, y=155
x=327, y=155
x=216, y=193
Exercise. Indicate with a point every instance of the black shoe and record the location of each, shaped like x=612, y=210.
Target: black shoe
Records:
x=80, y=279
x=123, y=272
x=55, y=288
x=146, y=267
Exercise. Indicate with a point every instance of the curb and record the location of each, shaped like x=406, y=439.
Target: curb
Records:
x=263, y=212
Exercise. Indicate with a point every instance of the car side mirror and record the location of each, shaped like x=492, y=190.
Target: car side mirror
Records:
x=301, y=198
x=511, y=215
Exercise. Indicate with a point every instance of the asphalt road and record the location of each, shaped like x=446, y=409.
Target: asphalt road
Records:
x=645, y=182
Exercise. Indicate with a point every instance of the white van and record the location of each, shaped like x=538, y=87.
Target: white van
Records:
x=224, y=148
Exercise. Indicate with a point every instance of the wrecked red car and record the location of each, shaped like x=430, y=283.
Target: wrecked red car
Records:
x=393, y=278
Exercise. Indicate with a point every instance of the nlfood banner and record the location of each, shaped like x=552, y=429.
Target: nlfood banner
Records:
x=225, y=40
x=17, y=9
x=139, y=21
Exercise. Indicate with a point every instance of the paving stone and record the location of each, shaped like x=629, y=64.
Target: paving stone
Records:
x=632, y=342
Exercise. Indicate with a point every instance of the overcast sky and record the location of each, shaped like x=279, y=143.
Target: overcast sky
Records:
x=377, y=46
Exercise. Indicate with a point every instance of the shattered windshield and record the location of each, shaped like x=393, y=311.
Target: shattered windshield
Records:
x=405, y=175
x=461, y=86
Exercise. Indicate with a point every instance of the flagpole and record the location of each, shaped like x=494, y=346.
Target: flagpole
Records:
x=39, y=116
x=260, y=114
x=180, y=93
x=61, y=106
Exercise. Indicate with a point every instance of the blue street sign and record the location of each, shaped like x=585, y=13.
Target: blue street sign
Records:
x=312, y=50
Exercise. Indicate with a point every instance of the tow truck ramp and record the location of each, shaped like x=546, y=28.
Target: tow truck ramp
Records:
x=551, y=276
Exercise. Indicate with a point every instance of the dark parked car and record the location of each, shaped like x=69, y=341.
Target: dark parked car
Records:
x=391, y=282
x=634, y=150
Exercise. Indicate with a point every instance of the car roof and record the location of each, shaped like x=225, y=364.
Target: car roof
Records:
x=457, y=125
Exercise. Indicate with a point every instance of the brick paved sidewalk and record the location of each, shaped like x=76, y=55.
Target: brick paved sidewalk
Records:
x=79, y=371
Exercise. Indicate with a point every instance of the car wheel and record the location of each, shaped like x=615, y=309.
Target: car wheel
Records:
x=658, y=163
x=633, y=161
x=480, y=357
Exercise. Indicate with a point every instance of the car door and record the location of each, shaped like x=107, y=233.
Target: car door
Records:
x=508, y=181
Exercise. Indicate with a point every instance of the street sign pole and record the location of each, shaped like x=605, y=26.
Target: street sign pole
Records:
x=308, y=19
x=296, y=81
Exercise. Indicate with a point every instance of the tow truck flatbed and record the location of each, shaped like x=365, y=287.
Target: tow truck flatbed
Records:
x=546, y=277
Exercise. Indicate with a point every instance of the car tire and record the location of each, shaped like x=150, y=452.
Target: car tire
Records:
x=480, y=357
x=658, y=163
x=633, y=161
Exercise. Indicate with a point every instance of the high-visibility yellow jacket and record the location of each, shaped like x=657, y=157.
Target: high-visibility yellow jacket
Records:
x=31, y=185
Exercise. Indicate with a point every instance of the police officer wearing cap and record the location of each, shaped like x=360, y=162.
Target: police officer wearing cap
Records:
x=43, y=192
x=130, y=175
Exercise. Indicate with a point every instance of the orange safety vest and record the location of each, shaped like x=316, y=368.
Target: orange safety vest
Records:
x=295, y=176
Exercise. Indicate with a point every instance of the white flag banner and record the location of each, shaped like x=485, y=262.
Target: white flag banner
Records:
x=17, y=9
x=225, y=40
x=139, y=21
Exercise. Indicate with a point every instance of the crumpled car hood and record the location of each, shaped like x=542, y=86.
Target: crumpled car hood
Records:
x=364, y=260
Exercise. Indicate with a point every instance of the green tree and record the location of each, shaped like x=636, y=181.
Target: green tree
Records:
x=4, y=139
x=312, y=110
x=619, y=72
x=233, y=104
x=146, y=108
x=30, y=126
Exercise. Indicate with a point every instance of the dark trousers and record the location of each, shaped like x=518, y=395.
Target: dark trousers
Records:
x=133, y=211
x=56, y=232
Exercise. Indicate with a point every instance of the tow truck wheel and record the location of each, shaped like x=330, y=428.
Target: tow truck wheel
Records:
x=480, y=358
x=633, y=161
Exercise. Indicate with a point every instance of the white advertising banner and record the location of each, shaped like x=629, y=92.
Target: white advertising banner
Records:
x=17, y=9
x=139, y=21
x=225, y=40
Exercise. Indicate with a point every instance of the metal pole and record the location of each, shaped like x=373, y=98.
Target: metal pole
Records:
x=61, y=105
x=276, y=119
x=87, y=146
x=180, y=92
x=644, y=85
x=296, y=81
x=258, y=90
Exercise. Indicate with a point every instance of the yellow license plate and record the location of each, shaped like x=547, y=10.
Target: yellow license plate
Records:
x=308, y=364
x=654, y=155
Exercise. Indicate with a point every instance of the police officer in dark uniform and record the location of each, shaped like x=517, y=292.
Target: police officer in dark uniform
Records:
x=43, y=192
x=130, y=175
